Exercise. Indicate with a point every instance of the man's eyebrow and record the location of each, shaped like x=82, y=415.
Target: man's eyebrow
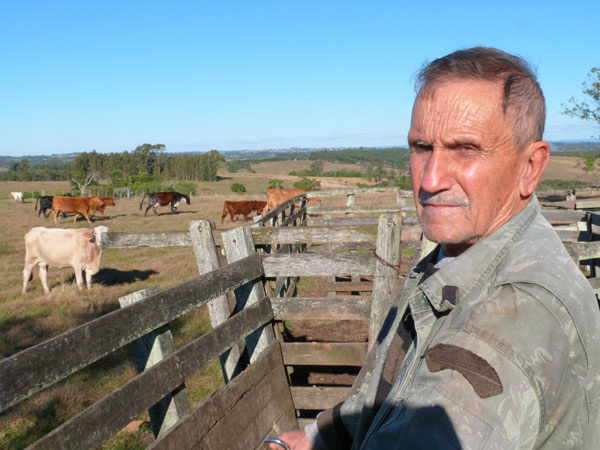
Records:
x=419, y=143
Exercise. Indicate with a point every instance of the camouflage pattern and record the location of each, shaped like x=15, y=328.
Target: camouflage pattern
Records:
x=525, y=309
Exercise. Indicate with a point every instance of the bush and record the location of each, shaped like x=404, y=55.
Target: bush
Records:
x=307, y=184
x=186, y=188
x=275, y=183
x=238, y=187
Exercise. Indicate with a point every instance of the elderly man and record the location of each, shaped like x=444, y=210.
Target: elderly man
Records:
x=494, y=340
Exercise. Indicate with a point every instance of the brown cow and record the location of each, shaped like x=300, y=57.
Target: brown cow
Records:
x=79, y=248
x=77, y=205
x=244, y=207
x=106, y=201
x=164, y=198
x=276, y=197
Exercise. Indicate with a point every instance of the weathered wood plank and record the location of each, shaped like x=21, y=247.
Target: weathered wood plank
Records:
x=191, y=432
x=583, y=250
x=349, y=286
x=385, y=283
x=311, y=264
x=42, y=365
x=587, y=204
x=326, y=308
x=219, y=309
x=318, y=397
x=148, y=351
x=324, y=353
x=239, y=245
x=358, y=209
x=313, y=235
x=358, y=191
x=555, y=216
x=146, y=239
x=152, y=239
x=355, y=221
x=110, y=414
x=338, y=246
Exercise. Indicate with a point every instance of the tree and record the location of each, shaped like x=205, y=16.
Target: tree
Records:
x=591, y=89
x=84, y=182
x=316, y=168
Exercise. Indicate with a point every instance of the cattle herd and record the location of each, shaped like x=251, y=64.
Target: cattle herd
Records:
x=82, y=248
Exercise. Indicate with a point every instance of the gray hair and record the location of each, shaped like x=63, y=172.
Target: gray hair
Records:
x=523, y=100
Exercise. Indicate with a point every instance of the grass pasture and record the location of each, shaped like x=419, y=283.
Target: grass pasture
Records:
x=32, y=318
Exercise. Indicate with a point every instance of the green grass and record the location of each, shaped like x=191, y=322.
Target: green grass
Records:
x=6, y=247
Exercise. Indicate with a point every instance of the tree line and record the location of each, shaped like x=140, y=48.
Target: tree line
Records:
x=147, y=160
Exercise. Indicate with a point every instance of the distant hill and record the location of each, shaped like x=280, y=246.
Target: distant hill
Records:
x=574, y=147
x=43, y=159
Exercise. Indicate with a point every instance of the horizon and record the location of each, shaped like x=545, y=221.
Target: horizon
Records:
x=282, y=150
x=108, y=77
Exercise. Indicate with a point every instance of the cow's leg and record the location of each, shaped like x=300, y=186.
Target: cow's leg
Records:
x=78, y=277
x=44, y=276
x=88, y=279
x=55, y=211
x=155, y=208
x=27, y=274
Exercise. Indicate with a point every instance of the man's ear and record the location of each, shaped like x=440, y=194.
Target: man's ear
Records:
x=536, y=156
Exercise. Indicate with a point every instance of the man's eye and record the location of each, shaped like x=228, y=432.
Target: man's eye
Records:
x=421, y=148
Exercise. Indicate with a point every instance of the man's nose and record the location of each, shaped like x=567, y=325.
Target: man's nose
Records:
x=436, y=175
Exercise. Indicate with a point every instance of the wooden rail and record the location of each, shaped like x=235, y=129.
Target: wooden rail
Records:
x=28, y=372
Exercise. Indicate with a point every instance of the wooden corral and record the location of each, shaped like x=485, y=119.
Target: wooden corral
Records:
x=250, y=278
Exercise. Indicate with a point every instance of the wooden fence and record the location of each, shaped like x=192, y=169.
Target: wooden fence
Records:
x=270, y=375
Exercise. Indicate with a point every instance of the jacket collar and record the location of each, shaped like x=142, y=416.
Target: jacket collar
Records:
x=453, y=283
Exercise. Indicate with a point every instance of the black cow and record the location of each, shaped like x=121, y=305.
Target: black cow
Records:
x=164, y=198
x=46, y=205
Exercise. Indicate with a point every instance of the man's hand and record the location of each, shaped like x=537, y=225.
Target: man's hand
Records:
x=295, y=440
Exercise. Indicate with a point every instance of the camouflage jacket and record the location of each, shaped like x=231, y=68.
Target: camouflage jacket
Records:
x=506, y=353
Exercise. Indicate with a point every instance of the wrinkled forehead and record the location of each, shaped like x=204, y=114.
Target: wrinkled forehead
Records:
x=459, y=105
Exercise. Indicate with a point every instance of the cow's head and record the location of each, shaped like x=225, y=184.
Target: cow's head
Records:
x=187, y=198
x=97, y=235
x=96, y=201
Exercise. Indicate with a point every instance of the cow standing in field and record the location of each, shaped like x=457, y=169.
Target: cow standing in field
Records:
x=16, y=196
x=77, y=205
x=276, y=197
x=244, y=207
x=157, y=199
x=79, y=248
x=106, y=201
x=45, y=202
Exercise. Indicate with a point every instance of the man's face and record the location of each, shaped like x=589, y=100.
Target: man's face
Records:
x=465, y=171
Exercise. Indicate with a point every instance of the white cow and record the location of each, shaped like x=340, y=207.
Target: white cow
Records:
x=17, y=196
x=79, y=248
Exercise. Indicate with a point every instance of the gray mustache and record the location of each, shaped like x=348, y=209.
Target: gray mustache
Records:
x=443, y=198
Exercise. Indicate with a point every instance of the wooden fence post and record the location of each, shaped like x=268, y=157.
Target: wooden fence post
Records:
x=239, y=244
x=219, y=309
x=149, y=350
x=350, y=202
x=385, y=283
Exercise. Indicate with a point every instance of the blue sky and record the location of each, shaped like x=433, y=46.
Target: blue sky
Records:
x=77, y=76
